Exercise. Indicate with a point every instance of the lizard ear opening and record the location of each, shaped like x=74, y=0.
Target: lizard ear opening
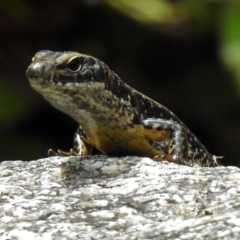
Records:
x=74, y=64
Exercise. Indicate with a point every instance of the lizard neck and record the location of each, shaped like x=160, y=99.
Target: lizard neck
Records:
x=93, y=101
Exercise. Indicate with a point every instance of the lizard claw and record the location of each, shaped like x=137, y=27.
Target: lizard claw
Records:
x=52, y=153
x=159, y=158
x=169, y=158
x=216, y=160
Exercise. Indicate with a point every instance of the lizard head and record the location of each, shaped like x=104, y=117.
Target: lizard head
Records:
x=61, y=68
x=65, y=78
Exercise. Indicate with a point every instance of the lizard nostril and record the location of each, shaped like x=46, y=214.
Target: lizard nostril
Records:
x=38, y=69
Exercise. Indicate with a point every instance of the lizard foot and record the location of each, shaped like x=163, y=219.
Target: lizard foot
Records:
x=168, y=158
x=61, y=153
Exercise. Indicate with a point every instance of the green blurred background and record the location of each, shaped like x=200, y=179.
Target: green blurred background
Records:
x=183, y=53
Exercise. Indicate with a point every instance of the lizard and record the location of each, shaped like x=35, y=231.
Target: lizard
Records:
x=113, y=117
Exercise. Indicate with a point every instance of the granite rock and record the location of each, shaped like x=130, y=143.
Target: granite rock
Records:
x=100, y=197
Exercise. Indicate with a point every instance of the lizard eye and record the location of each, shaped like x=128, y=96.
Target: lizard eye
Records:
x=74, y=64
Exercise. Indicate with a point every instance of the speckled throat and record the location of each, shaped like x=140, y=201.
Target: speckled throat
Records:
x=113, y=117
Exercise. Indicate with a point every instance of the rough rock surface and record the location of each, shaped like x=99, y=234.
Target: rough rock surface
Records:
x=117, y=198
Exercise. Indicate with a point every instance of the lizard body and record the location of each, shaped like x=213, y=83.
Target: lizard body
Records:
x=114, y=118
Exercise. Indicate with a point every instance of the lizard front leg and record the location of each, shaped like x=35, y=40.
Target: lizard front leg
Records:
x=80, y=146
x=158, y=130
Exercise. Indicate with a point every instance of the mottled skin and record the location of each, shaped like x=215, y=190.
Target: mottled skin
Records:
x=113, y=117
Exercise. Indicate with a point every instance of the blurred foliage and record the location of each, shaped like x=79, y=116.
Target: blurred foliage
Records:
x=17, y=10
x=154, y=11
x=12, y=110
x=229, y=38
x=166, y=14
x=183, y=53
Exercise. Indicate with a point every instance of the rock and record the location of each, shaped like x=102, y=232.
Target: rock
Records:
x=100, y=197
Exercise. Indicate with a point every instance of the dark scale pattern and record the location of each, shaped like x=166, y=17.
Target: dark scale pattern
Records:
x=114, y=118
